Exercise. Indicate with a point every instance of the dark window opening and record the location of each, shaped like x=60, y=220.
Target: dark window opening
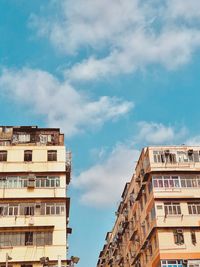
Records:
x=193, y=237
x=28, y=155
x=3, y=155
x=28, y=238
x=52, y=155
x=178, y=237
x=29, y=210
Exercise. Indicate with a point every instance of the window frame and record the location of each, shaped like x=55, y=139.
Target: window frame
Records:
x=52, y=155
x=178, y=237
x=28, y=155
x=172, y=208
x=3, y=155
x=193, y=208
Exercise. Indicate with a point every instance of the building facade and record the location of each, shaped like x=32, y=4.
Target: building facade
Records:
x=34, y=208
x=158, y=220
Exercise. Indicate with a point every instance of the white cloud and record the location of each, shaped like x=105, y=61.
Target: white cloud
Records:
x=130, y=34
x=102, y=183
x=193, y=141
x=153, y=133
x=187, y=10
x=61, y=104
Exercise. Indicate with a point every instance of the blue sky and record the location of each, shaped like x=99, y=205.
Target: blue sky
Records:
x=114, y=76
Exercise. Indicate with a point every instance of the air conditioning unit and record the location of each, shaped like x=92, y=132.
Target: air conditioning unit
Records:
x=31, y=221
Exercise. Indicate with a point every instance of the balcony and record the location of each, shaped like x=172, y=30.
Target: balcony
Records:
x=42, y=166
x=36, y=220
x=159, y=159
x=32, y=253
x=178, y=220
x=35, y=192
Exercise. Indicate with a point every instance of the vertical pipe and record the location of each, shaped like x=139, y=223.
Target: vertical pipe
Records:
x=59, y=261
x=6, y=259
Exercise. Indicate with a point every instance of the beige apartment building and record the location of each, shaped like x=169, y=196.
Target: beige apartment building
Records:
x=34, y=208
x=158, y=220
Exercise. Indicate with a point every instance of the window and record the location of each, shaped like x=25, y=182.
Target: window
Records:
x=164, y=157
x=150, y=250
x=20, y=182
x=196, y=156
x=145, y=197
x=13, y=210
x=52, y=209
x=182, y=156
x=3, y=155
x=29, y=210
x=28, y=155
x=43, y=238
x=153, y=213
x=28, y=238
x=178, y=237
x=193, y=237
x=158, y=156
x=166, y=182
x=150, y=187
x=3, y=210
x=171, y=263
x=190, y=182
x=172, y=208
x=24, y=138
x=143, y=229
x=155, y=242
x=194, y=208
x=52, y=155
x=45, y=138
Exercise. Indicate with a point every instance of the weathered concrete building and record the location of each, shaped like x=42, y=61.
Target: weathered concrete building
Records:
x=34, y=209
x=158, y=219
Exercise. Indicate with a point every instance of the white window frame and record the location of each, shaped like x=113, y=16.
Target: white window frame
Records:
x=172, y=208
x=194, y=207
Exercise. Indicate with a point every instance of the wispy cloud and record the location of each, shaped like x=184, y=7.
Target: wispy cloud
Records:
x=101, y=184
x=159, y=134
x=193, y=141
x=61, y=104
x=131, y=34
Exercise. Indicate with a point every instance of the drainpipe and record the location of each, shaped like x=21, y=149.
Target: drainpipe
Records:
x=59, y=261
